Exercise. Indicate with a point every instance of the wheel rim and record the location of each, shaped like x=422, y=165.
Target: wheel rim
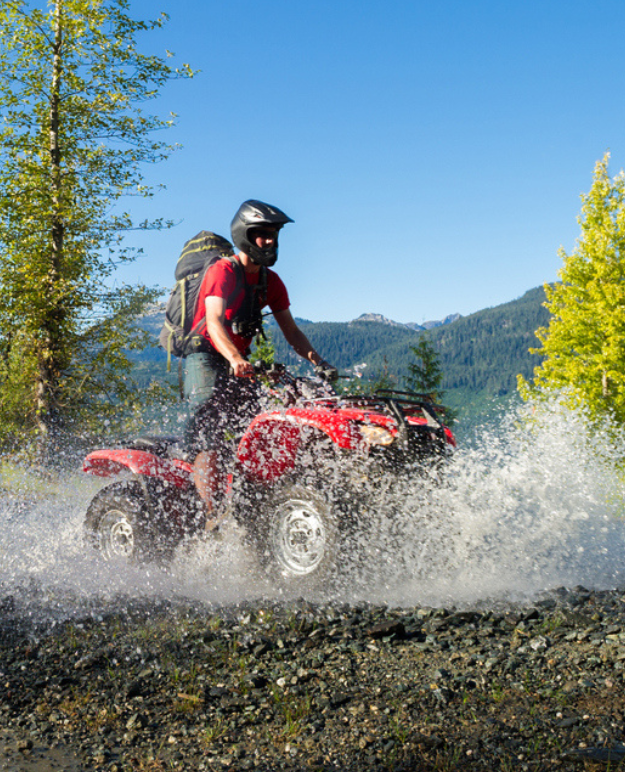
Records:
x=299, y=537
x=116, y=534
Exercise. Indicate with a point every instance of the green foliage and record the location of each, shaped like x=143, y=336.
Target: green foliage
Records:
x=380, y=379
x=264, y=350
x=18, y=367
x=384, y=378
x=424, y=373
x=583, y=344
x=74, y=135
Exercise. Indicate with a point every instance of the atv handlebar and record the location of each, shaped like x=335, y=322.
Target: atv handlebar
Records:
x=326, y=372
x=277, y=371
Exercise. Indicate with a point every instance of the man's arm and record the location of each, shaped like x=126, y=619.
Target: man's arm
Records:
x=296, y=338
x=215, y=316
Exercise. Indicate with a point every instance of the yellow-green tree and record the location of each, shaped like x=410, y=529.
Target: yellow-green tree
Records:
x=75, y=132
x=584, y=344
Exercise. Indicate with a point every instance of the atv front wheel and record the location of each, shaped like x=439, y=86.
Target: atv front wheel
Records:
x=298, y=536
x=117, y=524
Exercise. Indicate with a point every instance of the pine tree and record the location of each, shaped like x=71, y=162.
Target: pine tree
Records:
x=584, y=343
x=74, y=135
x=379, y=380
x=425, y=375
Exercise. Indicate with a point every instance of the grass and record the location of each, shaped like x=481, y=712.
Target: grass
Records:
x=215, y=731
x=295, y=711
x=19, y=480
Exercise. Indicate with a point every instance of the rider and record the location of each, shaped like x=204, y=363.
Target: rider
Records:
x=220, y=379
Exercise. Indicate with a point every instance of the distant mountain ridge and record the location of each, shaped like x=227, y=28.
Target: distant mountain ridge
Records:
x=481, y=355
x=156, y=315
x=410, y=325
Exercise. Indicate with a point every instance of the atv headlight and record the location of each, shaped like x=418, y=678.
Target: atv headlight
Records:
x=376, y=435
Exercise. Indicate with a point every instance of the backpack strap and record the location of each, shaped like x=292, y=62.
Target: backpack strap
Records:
x=251, y=308
x=261, y=290
x=240, y=281
x=260, y=298
x=172, y=331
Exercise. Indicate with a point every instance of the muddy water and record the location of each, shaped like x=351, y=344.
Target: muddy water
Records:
x=20, y=755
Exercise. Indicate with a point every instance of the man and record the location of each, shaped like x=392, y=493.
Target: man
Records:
x=220, y=378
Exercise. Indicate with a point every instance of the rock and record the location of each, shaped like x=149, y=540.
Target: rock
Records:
x=136, y=721
x=24, y=746
x=387, y=629
x=614, y=755
x=186, y=687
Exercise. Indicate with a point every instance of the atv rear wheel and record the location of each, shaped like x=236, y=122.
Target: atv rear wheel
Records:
x=298, y=536
x=117, y=525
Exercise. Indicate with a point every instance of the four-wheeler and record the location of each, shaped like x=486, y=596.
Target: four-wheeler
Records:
x=301, y=477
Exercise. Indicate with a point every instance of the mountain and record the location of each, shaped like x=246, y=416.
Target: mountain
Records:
x=378, y=318
x=447, y=320
x=410, y=325
x=481, y=354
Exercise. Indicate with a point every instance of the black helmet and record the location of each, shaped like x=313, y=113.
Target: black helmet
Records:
x=255, y=214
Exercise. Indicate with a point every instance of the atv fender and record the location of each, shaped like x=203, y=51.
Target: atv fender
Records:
x=269, y=449
x=110, y=463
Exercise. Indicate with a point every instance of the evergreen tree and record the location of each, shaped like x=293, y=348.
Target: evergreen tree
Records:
x=425, y=375
x=73, y=136
x=384, y=379
x=379, y=380
x=584, y=343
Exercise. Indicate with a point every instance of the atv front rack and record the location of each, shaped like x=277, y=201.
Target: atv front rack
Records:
x=401, y=404
x=411, y=398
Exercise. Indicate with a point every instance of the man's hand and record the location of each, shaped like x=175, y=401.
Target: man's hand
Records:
x=241, y=368
x=326, y=372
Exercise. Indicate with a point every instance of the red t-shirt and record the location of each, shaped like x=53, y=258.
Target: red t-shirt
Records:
x=221, y=281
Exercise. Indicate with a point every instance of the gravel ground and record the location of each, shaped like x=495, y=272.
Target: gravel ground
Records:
x=151, y=687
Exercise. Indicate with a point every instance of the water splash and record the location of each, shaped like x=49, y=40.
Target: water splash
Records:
x=531, y=506
x=534, y=504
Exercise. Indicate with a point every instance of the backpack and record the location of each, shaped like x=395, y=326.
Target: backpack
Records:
x=198, y=254
x=177, y=336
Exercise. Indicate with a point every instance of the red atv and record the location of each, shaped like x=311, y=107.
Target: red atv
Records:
x=302, y=474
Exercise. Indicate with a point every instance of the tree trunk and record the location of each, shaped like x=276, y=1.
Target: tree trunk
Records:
x=47, y=349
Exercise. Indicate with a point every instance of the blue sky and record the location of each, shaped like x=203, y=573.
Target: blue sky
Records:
x=432, y=154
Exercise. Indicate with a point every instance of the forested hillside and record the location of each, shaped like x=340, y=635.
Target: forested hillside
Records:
x=481, y=355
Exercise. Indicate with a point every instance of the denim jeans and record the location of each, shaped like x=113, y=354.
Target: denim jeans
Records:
x=200, y=376
x=220, y=404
